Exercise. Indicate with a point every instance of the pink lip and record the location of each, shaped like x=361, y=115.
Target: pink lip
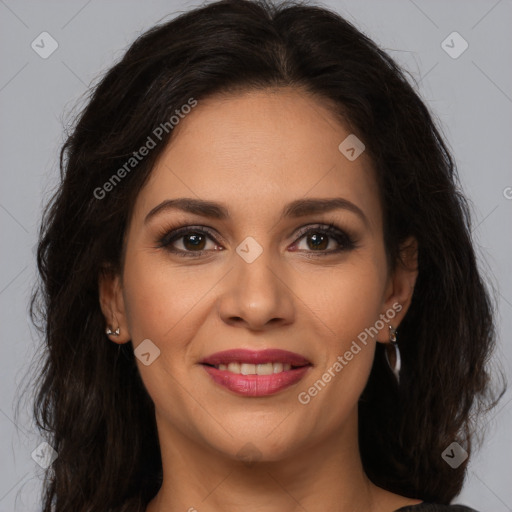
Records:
x=241, y=355
x=256, y=385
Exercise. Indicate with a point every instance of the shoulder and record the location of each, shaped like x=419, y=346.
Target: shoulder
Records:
x=432, y=507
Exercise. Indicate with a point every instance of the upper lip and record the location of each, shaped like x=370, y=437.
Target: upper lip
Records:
x=241, y=355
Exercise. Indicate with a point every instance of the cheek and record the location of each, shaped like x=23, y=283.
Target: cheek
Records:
x=345, y=299
x=349, y=306
x=346, y=302
x=159, y=298
x=163, y=304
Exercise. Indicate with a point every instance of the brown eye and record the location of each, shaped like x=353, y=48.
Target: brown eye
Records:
x=317, y=241
x=188, y=241
x=194, y=241
x=325, y=240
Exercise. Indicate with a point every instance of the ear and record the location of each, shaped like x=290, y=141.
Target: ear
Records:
x=400, y=288
x=112, y=304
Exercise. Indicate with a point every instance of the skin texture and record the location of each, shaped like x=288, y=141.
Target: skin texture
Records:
x=254, y=152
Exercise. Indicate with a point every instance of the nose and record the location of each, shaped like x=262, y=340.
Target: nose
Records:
x=256, y=295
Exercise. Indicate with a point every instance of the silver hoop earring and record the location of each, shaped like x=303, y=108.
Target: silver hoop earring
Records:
x=395, y=367
x=110, y=332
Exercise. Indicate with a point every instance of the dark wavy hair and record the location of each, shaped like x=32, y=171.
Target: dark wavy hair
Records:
x=90, y=402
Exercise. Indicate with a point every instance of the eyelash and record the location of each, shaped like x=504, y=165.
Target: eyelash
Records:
x=346, y=242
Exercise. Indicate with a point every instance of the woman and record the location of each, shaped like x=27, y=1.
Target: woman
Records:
x=258, y=283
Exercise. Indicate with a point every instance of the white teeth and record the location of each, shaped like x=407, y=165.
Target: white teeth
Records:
x=247, y=369
x=234, y=367
x=278, y=367
x=264, y=369
x=255, y=369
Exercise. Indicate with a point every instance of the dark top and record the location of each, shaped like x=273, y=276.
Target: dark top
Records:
x=432, y=507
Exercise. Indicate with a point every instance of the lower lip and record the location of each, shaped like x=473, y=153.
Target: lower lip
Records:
x=256, y=385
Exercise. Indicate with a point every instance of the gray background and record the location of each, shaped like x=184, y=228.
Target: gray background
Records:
x=471, y=96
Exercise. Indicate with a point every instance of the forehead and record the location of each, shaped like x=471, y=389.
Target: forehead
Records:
x=259, y=150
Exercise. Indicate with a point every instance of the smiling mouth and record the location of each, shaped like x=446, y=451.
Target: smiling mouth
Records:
x=256, y=373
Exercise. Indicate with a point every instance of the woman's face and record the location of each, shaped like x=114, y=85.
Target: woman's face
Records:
x=257, y=271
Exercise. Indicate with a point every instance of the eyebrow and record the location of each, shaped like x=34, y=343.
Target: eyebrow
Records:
x=295, y=209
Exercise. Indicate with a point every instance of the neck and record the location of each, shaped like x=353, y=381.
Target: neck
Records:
x=326, y=475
